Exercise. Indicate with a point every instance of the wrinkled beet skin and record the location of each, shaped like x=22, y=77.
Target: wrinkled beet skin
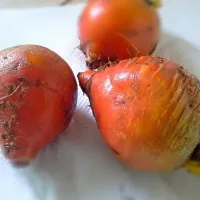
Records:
x=38, y=96
x=148, y=111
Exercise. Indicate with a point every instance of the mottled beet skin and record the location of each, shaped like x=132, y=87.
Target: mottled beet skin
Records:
x=148, y=111
x=112, y=30
x=38, y=96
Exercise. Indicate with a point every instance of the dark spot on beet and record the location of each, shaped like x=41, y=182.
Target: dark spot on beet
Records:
x=153, y=48
x=5, y=57
x=191, y=106
x=114, y=151
x=196, y=154
x=160, y=60
x=149, y=2
x=10, y=88
x=9, y=147
x=149, y=29
x=8, y=135
x=5, y=125
x=3, y=136
x=131, y=32
x=2, y=105
x=182, y=73
x=38, y=83
x=22, y=79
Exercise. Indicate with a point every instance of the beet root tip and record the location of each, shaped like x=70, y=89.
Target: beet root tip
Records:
x=84, y=79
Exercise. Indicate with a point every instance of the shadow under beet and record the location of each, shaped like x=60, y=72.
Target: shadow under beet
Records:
x=75, y=165
x=79, y=166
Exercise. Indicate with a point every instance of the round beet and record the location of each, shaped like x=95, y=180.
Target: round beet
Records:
x=112, y=30
x=38, y=95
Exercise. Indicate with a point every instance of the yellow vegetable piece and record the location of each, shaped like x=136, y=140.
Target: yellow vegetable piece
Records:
x=156, y=3
x=193, y=167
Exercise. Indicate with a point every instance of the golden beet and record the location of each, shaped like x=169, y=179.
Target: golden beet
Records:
x=118, y=29
x=147, y=110
x=38, y=94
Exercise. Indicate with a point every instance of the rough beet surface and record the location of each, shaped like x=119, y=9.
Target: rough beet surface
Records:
x=148, y=111
x=38, y=95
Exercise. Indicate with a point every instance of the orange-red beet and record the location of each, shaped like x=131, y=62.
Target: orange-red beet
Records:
x=148, y=111
x=118, y=29
x=38, y=95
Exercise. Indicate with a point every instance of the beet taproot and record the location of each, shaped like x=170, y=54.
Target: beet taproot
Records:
x=38, y=96
x=118, y=29
x=147, y=110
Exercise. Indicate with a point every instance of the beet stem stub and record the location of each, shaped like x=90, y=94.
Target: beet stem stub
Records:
x=85, y=80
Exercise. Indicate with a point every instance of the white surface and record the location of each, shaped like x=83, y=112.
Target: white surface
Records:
x=78, y=166
x=35, y=3
x=28, y=3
